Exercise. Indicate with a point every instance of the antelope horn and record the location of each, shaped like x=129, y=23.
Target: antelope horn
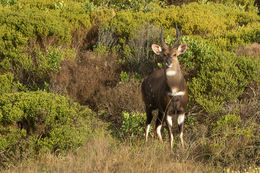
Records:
x=162, y=41
x=178, y=37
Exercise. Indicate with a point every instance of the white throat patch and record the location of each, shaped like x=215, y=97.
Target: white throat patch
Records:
x=176, y=93
x=171, y=73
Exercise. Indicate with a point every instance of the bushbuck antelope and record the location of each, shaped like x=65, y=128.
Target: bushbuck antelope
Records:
x=166, y=90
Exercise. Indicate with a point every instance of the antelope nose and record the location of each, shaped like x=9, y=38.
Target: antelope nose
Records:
x=168, y=62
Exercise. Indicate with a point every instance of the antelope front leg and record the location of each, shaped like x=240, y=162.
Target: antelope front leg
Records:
x=181, y=118
x=169, y=122
x=147, y=132
x=159, y=125
x=149, y=118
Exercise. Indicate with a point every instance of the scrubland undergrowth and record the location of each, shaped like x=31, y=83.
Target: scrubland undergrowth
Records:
x=70, y=75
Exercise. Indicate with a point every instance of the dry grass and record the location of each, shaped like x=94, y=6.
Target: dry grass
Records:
x=103, y=154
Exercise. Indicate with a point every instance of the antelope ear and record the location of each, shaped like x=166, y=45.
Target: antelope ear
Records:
x=156, y=49
x=182, y=48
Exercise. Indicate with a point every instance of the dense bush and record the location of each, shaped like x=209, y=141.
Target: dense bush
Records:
x=217, y=76
x=247, y=5
x=227, y=142
x=8, y=85
x=35, y=37
x=37, y=122
x=8, y=2
x=135, y=5
x=17, y=29
x=233, y=141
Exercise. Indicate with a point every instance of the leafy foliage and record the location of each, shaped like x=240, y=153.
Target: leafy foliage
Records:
x=8, y=85
x=218, y=75
x=230, y=138
x=135, y=5
x=8, y=2
x=133, y=125
x=36, y=122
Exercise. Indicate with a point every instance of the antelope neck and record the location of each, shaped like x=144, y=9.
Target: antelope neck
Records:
x=174, y=70
x=174, y=76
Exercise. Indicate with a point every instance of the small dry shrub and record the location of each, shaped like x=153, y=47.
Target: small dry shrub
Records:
x=140, y=58
x=83, y=78
x=251, y=50
x=106, y=38
x=126, y=96
x=250, y=105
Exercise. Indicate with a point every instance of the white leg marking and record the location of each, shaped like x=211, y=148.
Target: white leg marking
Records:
x=181, y=119
x=171, y=140
x=147, y=132
x=169, y=120
x=158, y=130
x=181, y=136
x=171, y=73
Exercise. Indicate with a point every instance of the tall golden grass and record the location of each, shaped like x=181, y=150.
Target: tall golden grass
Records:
x=104, y=154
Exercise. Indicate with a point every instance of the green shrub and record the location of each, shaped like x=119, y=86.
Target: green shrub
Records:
x=89, y=6
x=246, y=5
x=193, y=18
x=233, y=142
x=135, y=5
x=36, y=122
x=8, y=2
x=124, y=77
x=133, y=125
x=201, y=19
x=217, y=76
x=35, y=37
x=8, y=85
x=74, y=12
x=17, y=28
x=242, y=36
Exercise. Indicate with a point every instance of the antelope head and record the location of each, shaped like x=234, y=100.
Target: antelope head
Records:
x=170, y=53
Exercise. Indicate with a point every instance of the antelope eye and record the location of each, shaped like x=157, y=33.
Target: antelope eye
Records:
x=174, y=54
